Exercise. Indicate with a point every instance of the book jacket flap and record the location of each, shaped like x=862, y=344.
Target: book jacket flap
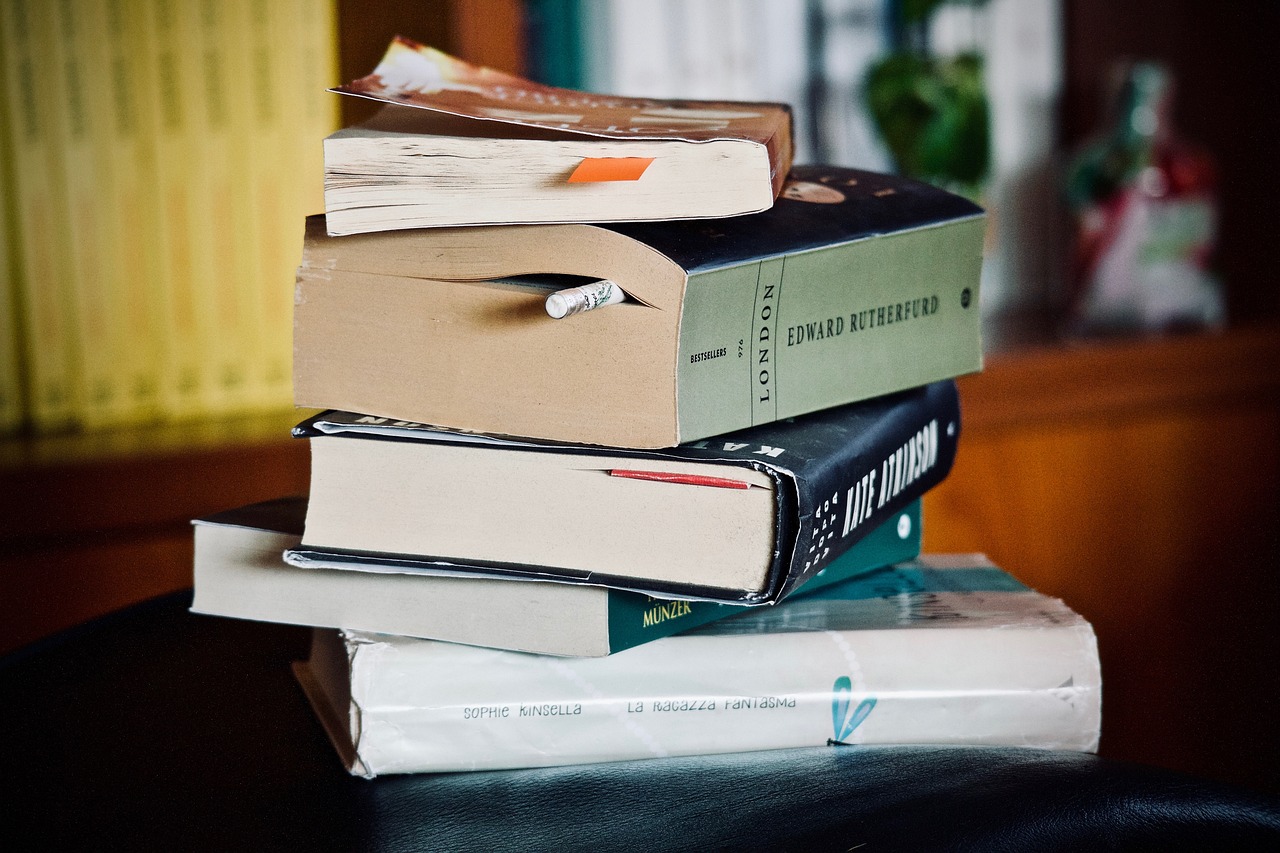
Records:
x=411, y=74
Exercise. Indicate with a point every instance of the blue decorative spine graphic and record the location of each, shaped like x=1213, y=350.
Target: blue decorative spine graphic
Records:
x=844, y=719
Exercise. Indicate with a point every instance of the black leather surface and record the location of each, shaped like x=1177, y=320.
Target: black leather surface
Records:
x=161, y=730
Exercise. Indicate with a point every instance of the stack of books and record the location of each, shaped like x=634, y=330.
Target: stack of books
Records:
x=626, y=425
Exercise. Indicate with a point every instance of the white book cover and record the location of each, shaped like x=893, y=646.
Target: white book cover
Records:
x=944, y=650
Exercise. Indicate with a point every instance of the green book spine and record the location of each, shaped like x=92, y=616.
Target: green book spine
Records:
x=635, y=618
x=758, y=340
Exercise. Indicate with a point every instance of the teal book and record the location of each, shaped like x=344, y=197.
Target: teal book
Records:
x=240, y=573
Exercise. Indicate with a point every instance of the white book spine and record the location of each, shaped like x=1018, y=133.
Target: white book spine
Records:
x=419, y=706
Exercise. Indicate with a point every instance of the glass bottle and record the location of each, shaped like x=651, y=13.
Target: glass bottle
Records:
x=1146, y=215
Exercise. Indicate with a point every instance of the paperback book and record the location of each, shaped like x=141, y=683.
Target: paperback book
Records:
x=854, y=285
x=461, y=145
x=745, y=517
x=240, y=573
x=946, y=650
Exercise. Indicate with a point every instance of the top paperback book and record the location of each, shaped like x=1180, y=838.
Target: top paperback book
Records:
x=461, y=145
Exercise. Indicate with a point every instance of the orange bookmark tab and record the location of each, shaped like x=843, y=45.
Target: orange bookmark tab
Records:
x=594, y=170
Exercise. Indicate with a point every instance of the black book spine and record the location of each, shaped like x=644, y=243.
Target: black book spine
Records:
x=861, y=471
x=894, y=462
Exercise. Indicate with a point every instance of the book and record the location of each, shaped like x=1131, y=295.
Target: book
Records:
x=172, y=71
x=524, y=152
x=12, y=403
x=745, y=517
x=239, y=573
x=47, y=308
x=82, y=122
x=134, y=217
x=944, y=650
x=852, y=286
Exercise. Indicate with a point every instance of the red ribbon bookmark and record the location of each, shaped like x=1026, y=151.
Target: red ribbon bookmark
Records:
x=594, y=170
x=686, y=479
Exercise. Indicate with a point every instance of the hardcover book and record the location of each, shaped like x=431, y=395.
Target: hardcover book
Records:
x=852, y=286
x=946, y=650
x=239, y=573
x=462, y=145
x=745, y=517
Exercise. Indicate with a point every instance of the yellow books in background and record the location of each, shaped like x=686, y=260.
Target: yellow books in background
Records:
x=321, y=113
x=177, y=155
x=11, y=403
x=221, y=237
x=118, y=341
x=135, y=202
x=161, y=156
x=290, y=57
x=89, y=248
x=265, y=175
x=48, y=313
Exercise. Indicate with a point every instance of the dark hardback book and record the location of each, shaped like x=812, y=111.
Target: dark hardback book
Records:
x=744, y=517
x=852, y=286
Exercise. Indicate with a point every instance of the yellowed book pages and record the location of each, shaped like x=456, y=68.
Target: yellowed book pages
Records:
x=44, y=269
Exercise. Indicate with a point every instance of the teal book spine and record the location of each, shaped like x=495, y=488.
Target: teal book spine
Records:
x=635, y=618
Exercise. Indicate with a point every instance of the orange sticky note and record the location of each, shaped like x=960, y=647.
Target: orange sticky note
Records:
x=593, y=170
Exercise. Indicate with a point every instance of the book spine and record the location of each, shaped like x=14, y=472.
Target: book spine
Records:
x=107, y=180
x=47, y=308
x=84, y=179
x=420, y=706
x=851, y=468
x=135, y=216
x=294, y=52
x=224, y=237
x=636, y=618
x=783, y=336
x=178, y=159
x=12, y=404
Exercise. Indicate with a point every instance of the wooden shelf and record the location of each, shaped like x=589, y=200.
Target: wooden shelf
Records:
x=93, y=522
x=1049, y=381
x=1140, y=482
